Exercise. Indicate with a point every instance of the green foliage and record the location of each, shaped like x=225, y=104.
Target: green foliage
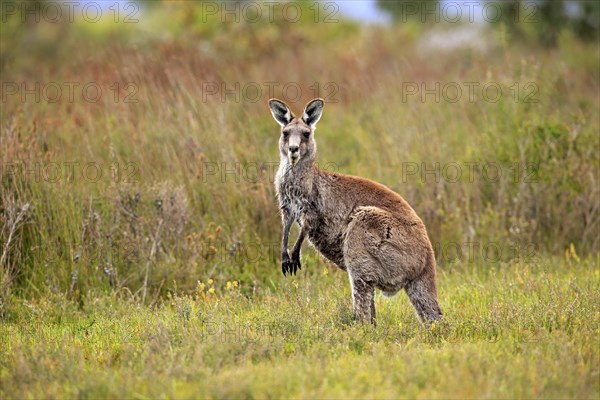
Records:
x=403, y=11
x=522, y=330
x=165, y=158
x=544, y=20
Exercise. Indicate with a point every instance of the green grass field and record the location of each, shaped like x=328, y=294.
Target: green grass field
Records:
x=139, y=229
x=526, y=331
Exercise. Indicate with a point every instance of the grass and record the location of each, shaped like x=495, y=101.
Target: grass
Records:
x=116, y=214
x=525, y=331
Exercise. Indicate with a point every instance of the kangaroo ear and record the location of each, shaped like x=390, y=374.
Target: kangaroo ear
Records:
x=281, y=112
x=312, y=112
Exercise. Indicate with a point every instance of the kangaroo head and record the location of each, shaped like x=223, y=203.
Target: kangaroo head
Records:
x=297, y=142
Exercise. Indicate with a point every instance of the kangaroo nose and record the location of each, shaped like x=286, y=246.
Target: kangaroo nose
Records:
x=294, y=149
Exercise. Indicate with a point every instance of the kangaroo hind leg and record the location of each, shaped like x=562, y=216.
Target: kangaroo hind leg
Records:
x=363, y=300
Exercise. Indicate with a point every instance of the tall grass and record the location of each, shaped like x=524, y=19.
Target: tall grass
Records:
x=165, y=158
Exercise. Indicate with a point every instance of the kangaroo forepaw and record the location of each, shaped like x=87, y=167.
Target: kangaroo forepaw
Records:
x=290, y=265
x=286, y=264
x=296, y=262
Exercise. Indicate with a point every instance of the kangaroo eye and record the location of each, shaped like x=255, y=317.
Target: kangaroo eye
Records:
x=306, y=135
x=285, y=134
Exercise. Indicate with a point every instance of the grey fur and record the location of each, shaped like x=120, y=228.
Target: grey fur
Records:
x=361, y=226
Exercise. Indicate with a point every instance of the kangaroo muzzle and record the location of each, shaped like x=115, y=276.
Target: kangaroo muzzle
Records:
x=293, y=154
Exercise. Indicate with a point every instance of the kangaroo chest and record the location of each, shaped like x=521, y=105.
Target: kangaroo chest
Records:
x=324, y=231
x=300, y=197
x=294, y=190
x=293, y=201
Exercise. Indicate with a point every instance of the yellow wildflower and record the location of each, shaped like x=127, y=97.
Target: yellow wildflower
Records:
x=573, y=252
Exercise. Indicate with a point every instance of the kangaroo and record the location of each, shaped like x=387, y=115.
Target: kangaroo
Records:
x=361, y=226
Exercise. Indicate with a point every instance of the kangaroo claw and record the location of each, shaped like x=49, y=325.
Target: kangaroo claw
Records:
x=291, y=265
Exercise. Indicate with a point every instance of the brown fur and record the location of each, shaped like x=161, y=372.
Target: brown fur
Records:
x=362, y=226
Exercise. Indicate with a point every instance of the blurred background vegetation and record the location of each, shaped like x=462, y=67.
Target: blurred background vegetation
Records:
x=535, y=21
x=160, y=216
